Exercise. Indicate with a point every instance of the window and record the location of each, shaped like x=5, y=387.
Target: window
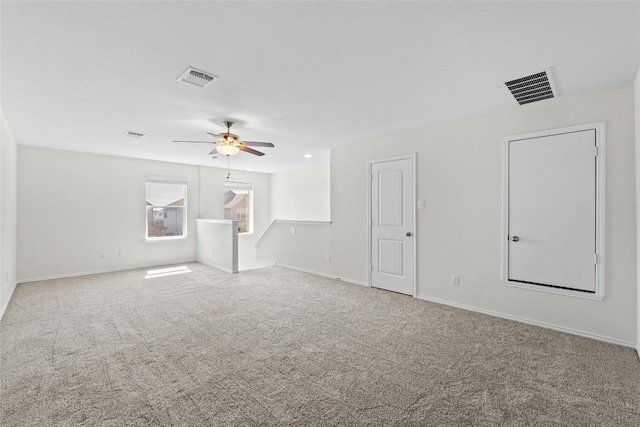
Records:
x=166, y=207
x=238, y=205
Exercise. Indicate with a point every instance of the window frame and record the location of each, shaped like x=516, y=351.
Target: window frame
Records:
x=171, y=180
x=230, y=186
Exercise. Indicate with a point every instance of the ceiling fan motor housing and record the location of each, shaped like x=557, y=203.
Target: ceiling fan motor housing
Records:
x=228, y=137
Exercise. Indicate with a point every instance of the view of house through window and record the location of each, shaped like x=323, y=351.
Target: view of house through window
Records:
x=238, y=205
x=166, y=207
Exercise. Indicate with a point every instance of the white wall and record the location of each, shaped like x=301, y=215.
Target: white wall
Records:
x=305, y=249
x=73, y=206
x=211, y=207
x=301, y=194
x=300, y=199
x=217, y=243
x=8, y=214
x=459, y=176
x=637, y=121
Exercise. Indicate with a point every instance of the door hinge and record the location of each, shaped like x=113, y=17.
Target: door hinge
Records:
x=596, y=150
x=595, y=258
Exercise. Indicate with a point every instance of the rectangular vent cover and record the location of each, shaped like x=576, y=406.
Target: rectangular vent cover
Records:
x=196, y=77
x=133, y=134
x=535, y=87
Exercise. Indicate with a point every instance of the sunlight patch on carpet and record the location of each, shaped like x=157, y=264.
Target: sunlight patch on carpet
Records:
x=161, y=272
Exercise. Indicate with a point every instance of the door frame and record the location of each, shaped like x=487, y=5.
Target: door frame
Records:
x=600, y=130
x=412, y=157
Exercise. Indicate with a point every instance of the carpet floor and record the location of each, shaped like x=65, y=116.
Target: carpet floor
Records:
x=275, y=347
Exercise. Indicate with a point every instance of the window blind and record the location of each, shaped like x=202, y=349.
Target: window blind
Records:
x=161, y=179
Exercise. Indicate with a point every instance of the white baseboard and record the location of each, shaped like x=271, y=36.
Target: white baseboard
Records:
x=219, y=267
x=317, y=273
x=534, y=323
x=6, y=303
x=108, y=270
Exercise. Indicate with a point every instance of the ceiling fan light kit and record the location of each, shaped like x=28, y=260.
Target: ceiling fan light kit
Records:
x=228, y=149
x=229, y=144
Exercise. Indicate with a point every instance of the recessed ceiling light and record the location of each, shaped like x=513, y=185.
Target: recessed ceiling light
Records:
x=134, y=134
x=249, y=169
x=308, y=156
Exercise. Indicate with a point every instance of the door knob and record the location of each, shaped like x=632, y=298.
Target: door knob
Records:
x=408, y=234
x=515, y=238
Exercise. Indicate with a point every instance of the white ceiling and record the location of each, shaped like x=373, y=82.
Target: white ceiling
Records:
x=307, y=76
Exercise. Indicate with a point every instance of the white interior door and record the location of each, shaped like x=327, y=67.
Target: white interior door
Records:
x=392, y=225
x=552, y=210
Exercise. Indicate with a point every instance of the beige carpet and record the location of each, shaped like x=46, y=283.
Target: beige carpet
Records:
x=274, y=347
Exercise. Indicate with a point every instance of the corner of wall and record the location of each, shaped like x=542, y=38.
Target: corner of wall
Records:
x=8, y=214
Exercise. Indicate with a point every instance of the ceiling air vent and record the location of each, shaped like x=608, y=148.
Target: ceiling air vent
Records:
x=196, y=77
x=535, y=87
x=133, y=134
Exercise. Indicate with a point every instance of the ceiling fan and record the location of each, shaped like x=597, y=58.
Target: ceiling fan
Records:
x=229, y=144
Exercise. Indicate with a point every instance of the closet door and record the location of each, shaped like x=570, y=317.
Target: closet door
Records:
x=552, y=210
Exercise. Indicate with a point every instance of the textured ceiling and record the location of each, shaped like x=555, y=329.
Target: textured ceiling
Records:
x=307, y=76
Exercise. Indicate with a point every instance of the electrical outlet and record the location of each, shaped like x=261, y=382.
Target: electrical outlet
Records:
x=328, y=258
x=455, y=279
x=292, y=230
x=101, y=255
x=120, y=253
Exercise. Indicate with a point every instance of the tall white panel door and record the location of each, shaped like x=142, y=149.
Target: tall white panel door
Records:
x=392, y=225
x=552, y=209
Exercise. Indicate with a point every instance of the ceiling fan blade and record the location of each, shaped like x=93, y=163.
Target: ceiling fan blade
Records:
x=257, y=144
x=213, y=152
x=197, y=142
x=251, y=150
x=213, y=134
